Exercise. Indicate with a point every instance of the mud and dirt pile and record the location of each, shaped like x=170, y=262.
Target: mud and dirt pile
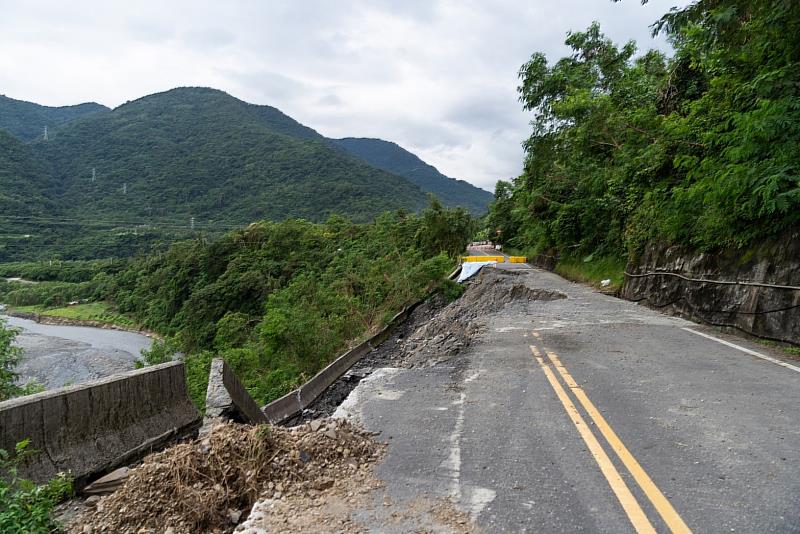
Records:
x=208, y=484
x=451, y=330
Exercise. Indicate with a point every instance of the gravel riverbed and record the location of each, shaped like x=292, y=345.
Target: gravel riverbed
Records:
x=58, y=355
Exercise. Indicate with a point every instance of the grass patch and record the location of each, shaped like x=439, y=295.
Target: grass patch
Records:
x=27, y=309
x=790, y=350
x=90, y=311
x=593, y=271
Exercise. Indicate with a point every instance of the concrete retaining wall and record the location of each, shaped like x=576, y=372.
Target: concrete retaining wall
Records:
x=91, y=428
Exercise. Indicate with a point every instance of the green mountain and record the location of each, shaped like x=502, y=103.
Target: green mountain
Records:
x=196, y=152
x=23, y=180
x=26, y=120
x=110, y=182
x=24, y=189
x=393, y=158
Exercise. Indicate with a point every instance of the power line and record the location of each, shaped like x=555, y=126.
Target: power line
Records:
x=211, y=225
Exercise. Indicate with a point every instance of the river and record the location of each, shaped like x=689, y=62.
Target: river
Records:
x=58, y=355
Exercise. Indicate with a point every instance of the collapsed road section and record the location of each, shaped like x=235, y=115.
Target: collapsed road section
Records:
x=436, y=331
x=528, y=404
x=532, y=412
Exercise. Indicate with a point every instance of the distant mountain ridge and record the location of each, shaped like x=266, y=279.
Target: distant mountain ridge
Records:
x=197, y=152
x=26, y=120
x=391, y=157
x=189, y=156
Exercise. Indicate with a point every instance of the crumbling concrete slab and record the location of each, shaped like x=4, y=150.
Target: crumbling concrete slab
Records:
x=226, y=397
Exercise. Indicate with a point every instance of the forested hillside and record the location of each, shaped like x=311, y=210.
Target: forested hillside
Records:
x=26, y=120
x=190, y=159
x=279, y=300
x=24, y=184
x=23, y=179
x=34, y=223
x=393, y=158
x=201, y=153
x=629, y=147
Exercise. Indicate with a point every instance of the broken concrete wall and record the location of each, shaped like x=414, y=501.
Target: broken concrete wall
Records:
x=226, y=397
x=93, y=427
x=659, y=279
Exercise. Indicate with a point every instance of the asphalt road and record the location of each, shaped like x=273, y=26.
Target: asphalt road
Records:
x=593, y=414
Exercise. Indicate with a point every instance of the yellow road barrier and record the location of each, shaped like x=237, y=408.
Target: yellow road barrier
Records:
x=498, y=259
x=517, y=259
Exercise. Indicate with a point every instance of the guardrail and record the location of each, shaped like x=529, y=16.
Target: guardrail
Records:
x=91, y=428
x=295, y=402
x=517, y=259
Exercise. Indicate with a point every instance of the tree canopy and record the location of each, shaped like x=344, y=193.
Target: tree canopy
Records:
x=701, y=148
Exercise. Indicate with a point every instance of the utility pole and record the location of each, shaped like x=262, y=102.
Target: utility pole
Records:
x=45, y=133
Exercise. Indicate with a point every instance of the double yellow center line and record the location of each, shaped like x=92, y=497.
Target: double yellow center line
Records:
x=629, y=503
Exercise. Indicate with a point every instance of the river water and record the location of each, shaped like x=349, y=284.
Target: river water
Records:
x=57, y=355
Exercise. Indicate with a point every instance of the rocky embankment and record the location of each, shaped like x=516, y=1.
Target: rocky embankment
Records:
x=755, y=291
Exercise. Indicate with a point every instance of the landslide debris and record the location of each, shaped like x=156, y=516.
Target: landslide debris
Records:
x=452, y=329
x=209, y=484
x=436, y=331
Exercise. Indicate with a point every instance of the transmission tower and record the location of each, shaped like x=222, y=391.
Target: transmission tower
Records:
x=45, y=133
x=191, y=223
x=125, y=188
x=94, y=174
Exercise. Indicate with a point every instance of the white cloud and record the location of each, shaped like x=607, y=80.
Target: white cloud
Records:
x=438, y=77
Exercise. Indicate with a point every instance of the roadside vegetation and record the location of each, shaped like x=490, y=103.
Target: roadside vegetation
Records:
x=9, y=358
x=25, y=507
x=593, y=271
x=279, y=300
x=99, y=312
x=631, y=147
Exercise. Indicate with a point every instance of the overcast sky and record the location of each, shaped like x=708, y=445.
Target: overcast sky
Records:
x=438, y=77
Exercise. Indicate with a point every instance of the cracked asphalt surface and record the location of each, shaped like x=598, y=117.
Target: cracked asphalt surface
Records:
x=714, y=428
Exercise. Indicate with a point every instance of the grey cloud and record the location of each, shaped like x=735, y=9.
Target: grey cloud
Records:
x=274, y=88
x=490, y=112
x=436, y=76
x=330, y=100
x=208, y=38
x=150, y=31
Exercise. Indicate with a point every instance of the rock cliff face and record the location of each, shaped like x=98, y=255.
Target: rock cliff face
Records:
x=685, y=282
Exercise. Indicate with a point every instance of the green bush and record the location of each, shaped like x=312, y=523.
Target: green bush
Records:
x=25, y=507
x=280, y=300
x=451, y=290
